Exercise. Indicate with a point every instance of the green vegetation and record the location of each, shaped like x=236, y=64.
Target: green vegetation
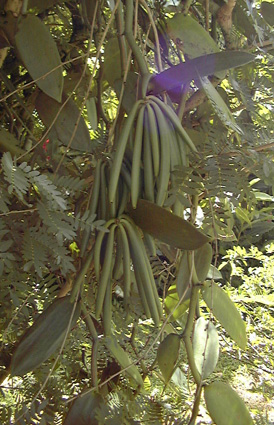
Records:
x=136, y=212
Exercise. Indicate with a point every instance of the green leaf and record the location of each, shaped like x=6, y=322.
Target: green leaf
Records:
x=267, y=11
x=210, y=64
x=44, y=337
x=123, y=359
x=64, y=126
x=183, y=283
x=219, y=105
x=112, y=64
x=214, y=273
x=172, y=300
x=40, y=55
x=202, y=260
x=226, y=312
x=262, y=196
x=92, y=112
x=167, y=355
x=242, y=215
x=225, y=406
x=167, y=227
x=84, y=409
x=179, y=379
x=196, y=41
x=205, y=347
x=8, y=143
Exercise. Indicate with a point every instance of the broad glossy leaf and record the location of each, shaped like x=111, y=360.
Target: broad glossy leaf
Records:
x=123, y=359
x=226, y=312
x=84, y=410
x=205, y=347
x=40, y=55
x=167, y=227
x=167, y=355
x=64, y=125
x=219, y=105
x=267, y=10
x=225, y=406
x=205, y=65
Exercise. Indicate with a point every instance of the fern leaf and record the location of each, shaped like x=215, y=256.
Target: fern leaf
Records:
x=15, y=176
x=34, y=253
x=49, y=190
x=57, y=223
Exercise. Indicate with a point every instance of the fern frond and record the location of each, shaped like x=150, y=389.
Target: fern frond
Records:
x=69, y=183
x=57, y=223
x=16, y=176
x=49, y=191
x=34, y=253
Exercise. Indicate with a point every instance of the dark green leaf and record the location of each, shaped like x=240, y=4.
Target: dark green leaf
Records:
x=112, y=64
x=167, y=355
x=267, y=10
x=40, y=55
x=64, y=126
x=167, y=227
x=206, y=65
x=84, y=409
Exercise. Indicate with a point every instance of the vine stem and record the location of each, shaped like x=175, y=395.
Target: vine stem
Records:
x=188, y=332
x=131, y=40
x=94, y=336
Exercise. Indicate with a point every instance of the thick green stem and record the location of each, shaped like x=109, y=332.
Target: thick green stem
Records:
x=81, y=276
x=90, y=325
x=182, y=104
x=121, y=38
x=131, y=40
x=195, y=409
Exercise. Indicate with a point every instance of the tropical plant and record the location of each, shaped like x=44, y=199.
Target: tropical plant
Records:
x=134, y=137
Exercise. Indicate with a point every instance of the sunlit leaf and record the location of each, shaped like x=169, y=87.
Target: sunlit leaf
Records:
x=205, y=347
x=226, y=312
x=123, y=358
x=172, y=303
x=219, y=105
x=225, y=406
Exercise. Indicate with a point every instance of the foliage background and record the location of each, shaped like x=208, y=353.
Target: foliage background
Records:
x=49, y=158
